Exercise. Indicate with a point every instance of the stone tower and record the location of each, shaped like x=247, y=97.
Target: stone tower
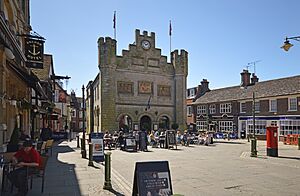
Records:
x=106, y=59
x=180, y=63
x=140, y=89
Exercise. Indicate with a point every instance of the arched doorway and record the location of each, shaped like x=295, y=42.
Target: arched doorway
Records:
x=164, y=123
x=125, y=123
x=145, y=123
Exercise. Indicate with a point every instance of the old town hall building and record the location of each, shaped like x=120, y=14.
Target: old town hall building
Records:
x=139, y=89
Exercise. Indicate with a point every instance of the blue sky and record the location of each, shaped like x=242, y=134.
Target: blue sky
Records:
x=221, y=36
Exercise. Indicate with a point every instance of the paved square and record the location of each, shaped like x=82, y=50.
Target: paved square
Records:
x=224, y=168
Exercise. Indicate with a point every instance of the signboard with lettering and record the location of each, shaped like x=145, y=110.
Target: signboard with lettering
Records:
x=98, y=148
x=171, y=138
x=34, y=52
x=152, y=178
x=59, y=135
x=130, y=143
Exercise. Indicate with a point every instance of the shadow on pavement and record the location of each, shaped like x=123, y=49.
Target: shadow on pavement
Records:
x=294, y=158
x=116, y=192
x=229, y=142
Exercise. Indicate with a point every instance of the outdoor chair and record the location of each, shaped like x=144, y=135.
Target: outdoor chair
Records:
x=49, y=145
x=7, y=156
x=41, y=147
x=42, y=151
x=39, y=172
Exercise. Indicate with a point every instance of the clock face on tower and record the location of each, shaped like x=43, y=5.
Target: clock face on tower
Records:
x=146, y=44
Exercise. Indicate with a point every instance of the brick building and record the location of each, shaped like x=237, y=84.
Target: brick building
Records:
x=231, y=110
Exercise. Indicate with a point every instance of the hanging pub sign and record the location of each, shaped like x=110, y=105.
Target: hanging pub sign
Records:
x=34, y=52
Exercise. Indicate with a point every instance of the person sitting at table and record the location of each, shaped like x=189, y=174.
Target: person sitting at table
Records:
x=24, y=136
x=162, y=138
x=25, y=160
x=107, y=139
x=120, y=140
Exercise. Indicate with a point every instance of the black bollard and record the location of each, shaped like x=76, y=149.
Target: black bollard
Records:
x=91, y=155
x=107, y=174
x=77, y=141
x=253, y=147
x=83, y=151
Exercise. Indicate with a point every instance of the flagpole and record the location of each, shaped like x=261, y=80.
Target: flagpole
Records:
x=115, y=26
x=170, y=34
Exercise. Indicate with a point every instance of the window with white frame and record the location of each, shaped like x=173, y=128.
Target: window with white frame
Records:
x=273, y=105
x=80, y=114
x=212, y=109
x=225, y=126
x=201, y=125
x=201, y=109
x=293, y=104
x=225, y=108
x=243, y=107
x=189, y=110
x=192, y=92
x=260, y=126
x=289, y=127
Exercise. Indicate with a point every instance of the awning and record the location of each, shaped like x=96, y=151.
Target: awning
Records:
x=30, y=79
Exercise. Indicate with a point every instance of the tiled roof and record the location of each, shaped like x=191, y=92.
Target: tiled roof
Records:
x=43, y=74
x=270, y=88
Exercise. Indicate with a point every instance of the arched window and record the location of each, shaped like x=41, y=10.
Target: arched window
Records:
x=146, y=123
x=164, y=123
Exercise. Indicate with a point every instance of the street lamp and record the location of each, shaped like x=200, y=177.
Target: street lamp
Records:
x=83, y=150
x=253, y=140
x=287, y=45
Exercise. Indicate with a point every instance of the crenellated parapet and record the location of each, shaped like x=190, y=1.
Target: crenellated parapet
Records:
x=107, y=51
x=180, y=61
x=139, y=38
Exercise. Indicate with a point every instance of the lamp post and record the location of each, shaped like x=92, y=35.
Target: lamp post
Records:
x=287, y=45
x=83, y=153
x=253, y=139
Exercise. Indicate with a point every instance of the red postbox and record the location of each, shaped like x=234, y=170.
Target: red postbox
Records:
x=272, y=141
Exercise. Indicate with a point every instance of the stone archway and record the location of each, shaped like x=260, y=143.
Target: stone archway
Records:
x=146, y=123
x=164, y=123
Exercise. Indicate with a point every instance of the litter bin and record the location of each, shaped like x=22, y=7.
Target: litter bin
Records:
x=272, y=141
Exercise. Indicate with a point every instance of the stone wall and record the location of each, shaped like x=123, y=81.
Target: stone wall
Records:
x=141, y=82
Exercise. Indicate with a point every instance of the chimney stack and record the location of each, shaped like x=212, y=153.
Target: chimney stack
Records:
x=254, y=79
x=245, y=78
x=204, y=84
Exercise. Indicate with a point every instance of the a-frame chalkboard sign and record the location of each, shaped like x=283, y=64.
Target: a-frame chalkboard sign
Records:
x=152, y=179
